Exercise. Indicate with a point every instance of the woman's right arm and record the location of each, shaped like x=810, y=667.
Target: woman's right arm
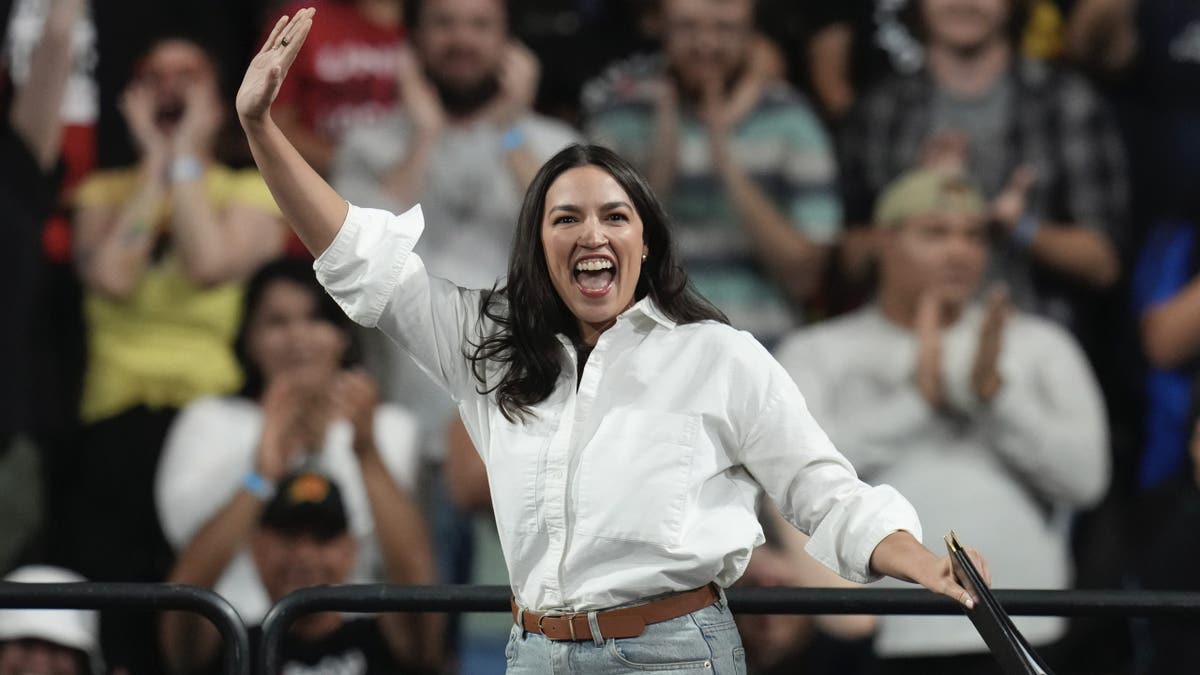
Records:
x=368, y=268
x=313, y=208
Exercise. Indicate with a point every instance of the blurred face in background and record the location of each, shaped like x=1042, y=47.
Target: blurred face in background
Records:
x=39, y=657
x=168, y=71
x=462, y=46
x=287, y=334
x=944, y=253
x=965, y=25
x=707, y=40
x=289, y=561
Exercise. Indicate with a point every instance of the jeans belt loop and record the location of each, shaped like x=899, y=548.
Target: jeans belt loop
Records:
x=594, y=624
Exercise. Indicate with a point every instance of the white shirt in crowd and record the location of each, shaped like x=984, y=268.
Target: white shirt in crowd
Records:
x=1006, y=475
x=644, y=480
x=213, y=444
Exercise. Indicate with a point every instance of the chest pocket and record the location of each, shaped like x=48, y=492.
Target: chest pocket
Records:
x=515, y=455
x=634, y=476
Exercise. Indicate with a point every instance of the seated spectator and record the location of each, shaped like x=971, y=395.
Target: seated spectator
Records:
x=988, y=416
x=48, y=642
x=1036, y=138
x=742, y=162
x=344, y=78
x=464, y=145
x=29, y=149
x=162, y=248
x=303, y=404
x=300, y=537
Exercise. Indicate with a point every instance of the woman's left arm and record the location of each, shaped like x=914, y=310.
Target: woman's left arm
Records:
x=860, y=531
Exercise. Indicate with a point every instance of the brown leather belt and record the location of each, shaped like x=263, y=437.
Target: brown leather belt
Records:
x=625, y=622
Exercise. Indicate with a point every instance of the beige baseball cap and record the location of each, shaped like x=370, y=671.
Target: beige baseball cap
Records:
x=927, y=192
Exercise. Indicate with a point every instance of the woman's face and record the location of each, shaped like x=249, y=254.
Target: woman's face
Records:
x=287, y=335
x=169, y=72
x=592, y=239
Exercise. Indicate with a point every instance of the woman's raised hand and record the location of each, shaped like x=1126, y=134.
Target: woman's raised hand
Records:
x=263, y=78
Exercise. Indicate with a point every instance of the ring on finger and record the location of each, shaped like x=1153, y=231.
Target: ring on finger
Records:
x=283, y=42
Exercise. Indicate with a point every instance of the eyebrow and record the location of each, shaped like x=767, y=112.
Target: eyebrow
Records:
x=608, y=206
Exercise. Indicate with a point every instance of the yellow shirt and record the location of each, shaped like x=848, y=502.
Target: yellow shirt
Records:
x=171, y=340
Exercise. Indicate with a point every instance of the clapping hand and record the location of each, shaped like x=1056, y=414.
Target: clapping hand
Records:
x=420, y=98
x=985, y=374
x=519, y=76
x=280, y=441
x=139, y=110
x=201, y=120
x=355, y=398
x=1012, y=203
x=265, y=74
x=930, y=311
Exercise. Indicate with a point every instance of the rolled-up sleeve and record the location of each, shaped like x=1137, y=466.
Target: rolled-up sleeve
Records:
x=816, y=488
x=370, y=270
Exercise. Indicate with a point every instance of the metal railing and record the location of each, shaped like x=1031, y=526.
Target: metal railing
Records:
x=148, y=597
x=372, y=598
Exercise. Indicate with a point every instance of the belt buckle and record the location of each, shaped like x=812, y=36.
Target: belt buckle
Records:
x=558, y=615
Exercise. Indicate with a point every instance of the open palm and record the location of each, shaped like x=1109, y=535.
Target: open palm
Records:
x=263, y=78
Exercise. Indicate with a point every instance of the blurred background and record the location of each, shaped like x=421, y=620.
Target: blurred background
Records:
x=179, y=399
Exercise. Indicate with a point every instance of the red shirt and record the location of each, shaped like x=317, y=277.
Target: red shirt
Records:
x=346, y=74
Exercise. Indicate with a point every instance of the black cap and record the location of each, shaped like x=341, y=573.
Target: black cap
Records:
x=306, y=502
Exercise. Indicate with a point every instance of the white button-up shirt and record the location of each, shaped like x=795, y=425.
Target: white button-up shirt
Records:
x=644, y=479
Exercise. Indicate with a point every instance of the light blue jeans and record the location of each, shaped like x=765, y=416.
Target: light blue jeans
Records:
x=705, y=641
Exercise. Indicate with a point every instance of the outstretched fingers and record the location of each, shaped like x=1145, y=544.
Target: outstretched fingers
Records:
x=296, y=30
x=274, y=36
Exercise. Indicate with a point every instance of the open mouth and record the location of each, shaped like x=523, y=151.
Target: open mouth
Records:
x=169, y=114
x=594, y=275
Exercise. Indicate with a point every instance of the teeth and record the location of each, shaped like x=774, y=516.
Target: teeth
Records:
x=593, y=265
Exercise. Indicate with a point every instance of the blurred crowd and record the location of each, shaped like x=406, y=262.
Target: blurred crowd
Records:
x=968, y=229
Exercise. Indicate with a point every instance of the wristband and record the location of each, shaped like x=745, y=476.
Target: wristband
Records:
x=258, y=486
x=186, y=168
x=1026, y=230
x=512, y=139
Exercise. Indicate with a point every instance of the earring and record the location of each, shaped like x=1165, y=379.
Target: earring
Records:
x=644, y=255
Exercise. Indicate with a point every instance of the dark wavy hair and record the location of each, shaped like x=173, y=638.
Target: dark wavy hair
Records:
x=529, y=313
x=298, y=273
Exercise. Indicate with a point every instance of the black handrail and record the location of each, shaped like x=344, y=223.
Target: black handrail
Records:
x=388, y=598
x=150, y=597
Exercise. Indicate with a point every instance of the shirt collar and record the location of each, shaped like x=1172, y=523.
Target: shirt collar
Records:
x=648, y=308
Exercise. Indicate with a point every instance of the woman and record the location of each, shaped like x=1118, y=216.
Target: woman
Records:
x=162, y=248
x=626, y=430
x=303, y=404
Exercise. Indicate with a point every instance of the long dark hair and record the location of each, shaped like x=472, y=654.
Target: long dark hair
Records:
x=529, y=313
x=298, y=273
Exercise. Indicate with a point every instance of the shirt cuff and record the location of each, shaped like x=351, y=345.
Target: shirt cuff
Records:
x=845, y=543
x=363, y=265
